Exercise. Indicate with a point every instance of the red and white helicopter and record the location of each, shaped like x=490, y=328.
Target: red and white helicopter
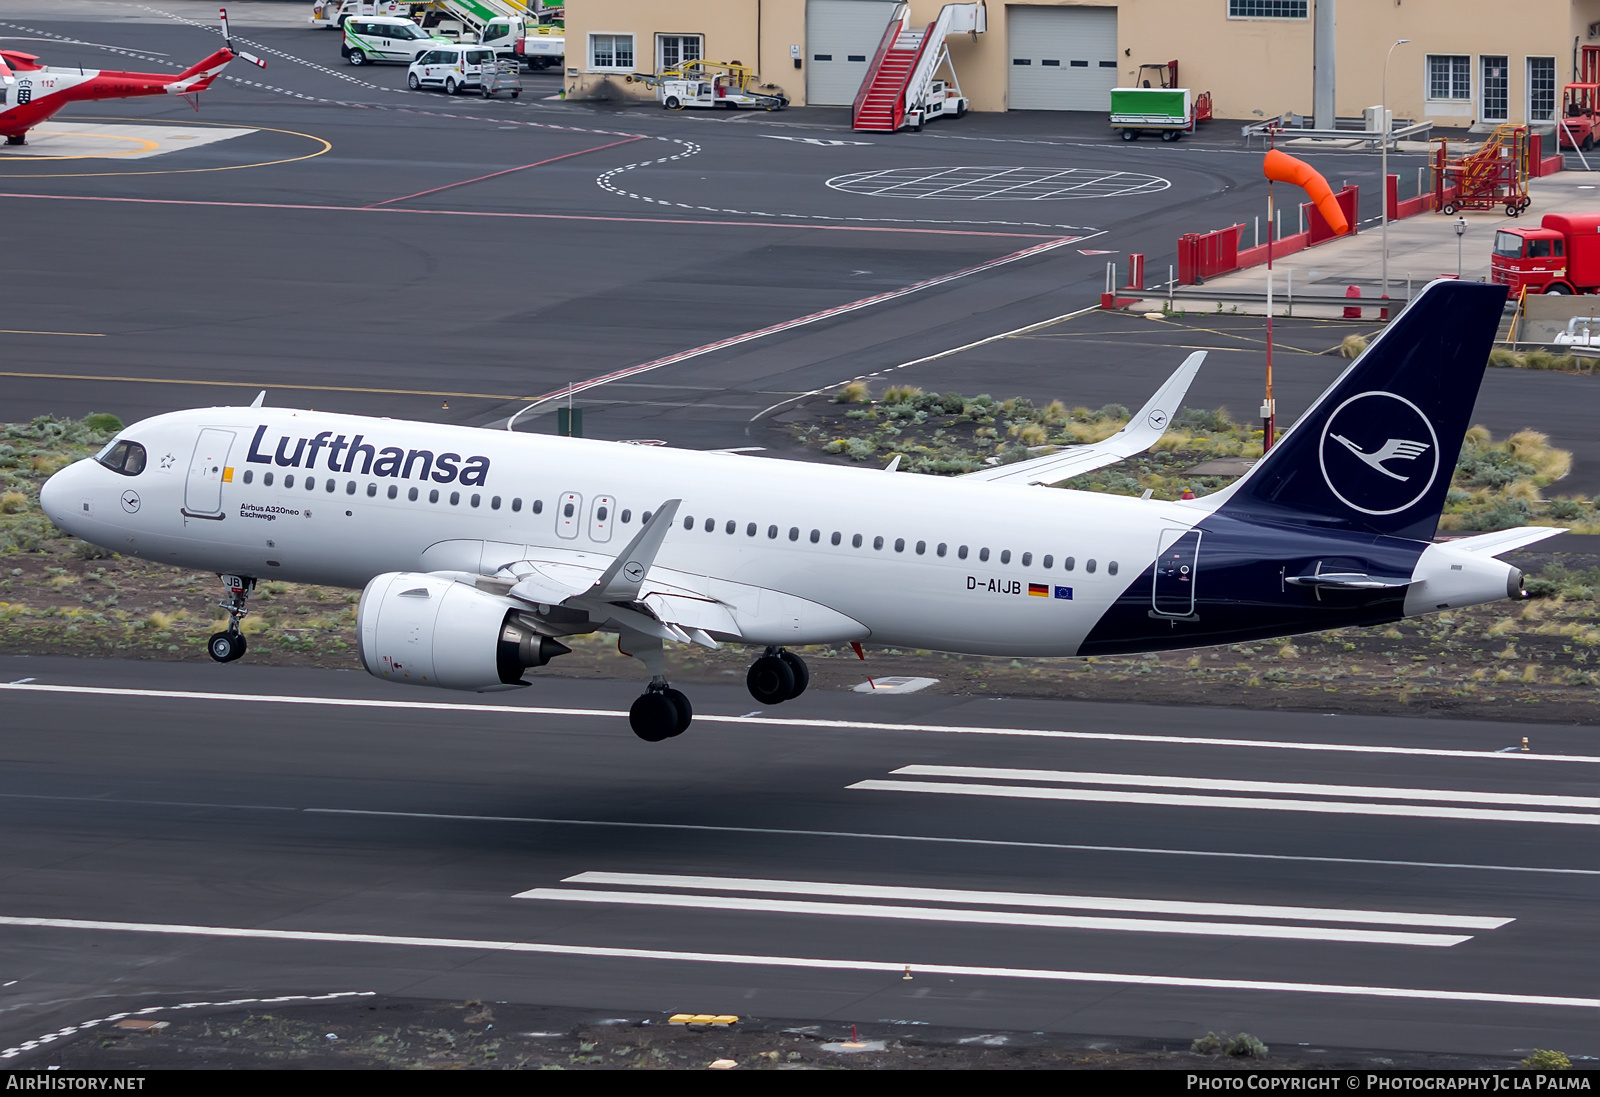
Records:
x=31, y=93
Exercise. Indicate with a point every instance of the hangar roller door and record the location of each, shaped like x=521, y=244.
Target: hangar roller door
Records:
x=841, y=38
x=1061, y=58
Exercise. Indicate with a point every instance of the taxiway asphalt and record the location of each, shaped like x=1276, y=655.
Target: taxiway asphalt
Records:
x=1038, y=866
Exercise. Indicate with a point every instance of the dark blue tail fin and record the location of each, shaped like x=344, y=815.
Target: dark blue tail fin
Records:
x=1376, y=452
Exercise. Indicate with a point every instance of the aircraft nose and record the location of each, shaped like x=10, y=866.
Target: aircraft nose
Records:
x=58, y=493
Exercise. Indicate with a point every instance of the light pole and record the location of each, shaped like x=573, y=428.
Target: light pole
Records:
x=1383, y=180
x=1461, y=228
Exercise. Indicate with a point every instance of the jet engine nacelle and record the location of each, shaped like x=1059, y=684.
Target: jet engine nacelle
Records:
x=1444, y=579
x=432, y=631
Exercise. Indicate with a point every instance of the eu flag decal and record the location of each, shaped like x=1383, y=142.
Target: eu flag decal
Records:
x=1038, y=590
x=1064, y=592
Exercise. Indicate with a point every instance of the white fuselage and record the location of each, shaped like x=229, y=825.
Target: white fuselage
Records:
x=761, y=539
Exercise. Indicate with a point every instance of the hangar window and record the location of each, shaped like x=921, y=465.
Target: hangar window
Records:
x=611, y=51
x=673, y=50
x=1053, y=64
x=1079, y=64
x=1266, y=9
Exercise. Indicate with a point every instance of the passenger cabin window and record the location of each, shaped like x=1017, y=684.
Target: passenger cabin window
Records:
x=288, y=481
x=962, y=552
x=394, y=491
x=516, y=505
x=1068, y=564
x=266, y=479
x=249, y=476
x=855, y=542
x=1027, y=559
x=688, y=522
x=1111, y=568
x=128, y=458
x=433, y=496
x=983, y=554
x=1047, y=561
x=1089, y=566
x=412, y=495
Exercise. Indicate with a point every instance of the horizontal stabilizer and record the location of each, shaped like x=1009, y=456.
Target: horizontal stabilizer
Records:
x=1146, y=427
x=1493, y=544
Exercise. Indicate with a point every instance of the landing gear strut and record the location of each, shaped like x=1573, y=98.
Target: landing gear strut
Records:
x=16, y=139
x=660, y=712
x=777, y=676
x=230, y=644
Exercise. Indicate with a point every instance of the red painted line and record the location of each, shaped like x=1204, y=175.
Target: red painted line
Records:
x=506, y=171
x=801, y=321
x=543, y=216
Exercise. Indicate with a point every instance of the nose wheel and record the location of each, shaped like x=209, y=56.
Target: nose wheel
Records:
x=228, y=645
x=661, y=712
x=778, y=676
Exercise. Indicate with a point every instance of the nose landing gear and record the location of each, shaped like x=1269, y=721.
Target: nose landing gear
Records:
x=778, y=676
x=230, y=644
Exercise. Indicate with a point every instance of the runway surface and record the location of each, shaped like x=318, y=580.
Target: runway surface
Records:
x=1036, y=866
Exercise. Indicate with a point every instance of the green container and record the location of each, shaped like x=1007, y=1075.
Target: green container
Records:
x=1150, y=106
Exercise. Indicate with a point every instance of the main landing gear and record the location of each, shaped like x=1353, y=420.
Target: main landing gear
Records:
x=661, y=712
x=777, y=676
x=230, y=644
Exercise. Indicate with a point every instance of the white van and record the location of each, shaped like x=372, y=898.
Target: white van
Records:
x=455, y=68
x=384, y=38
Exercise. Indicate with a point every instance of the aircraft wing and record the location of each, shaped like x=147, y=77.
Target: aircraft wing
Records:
x=1493, y=544
x=1148, y=424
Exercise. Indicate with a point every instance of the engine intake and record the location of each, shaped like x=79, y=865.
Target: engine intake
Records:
x=431, y=631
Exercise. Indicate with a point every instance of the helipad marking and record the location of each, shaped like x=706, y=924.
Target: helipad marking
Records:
x=76, y=141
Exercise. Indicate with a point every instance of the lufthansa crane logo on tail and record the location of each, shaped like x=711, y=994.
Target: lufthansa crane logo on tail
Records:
x=1379, y=453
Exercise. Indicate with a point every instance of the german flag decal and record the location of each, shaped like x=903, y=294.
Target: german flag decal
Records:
x=1038, y=590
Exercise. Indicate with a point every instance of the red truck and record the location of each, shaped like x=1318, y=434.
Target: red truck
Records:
x=1562, y=255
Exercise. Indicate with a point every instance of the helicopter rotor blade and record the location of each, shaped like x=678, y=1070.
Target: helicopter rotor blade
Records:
x=227, y=39
x=250, y=57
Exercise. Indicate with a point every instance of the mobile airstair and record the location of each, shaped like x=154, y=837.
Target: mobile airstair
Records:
x=902, y=88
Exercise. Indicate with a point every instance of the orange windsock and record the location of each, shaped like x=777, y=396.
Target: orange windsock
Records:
x=1280, y=167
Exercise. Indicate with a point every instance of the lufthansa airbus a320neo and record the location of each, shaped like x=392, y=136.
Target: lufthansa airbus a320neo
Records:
x=477, y=551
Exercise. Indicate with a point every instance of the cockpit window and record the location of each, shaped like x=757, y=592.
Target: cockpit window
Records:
x=124, y=457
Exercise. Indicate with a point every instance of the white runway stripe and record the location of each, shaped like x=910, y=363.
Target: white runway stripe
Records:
x=1249, y=803
x=775, y=721
x=1030, y=899
x=890, y=968
x=997, y=917
x=1209, y=784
